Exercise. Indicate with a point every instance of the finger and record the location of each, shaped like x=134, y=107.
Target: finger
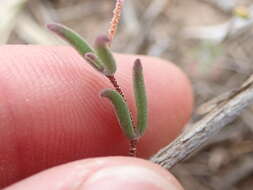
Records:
x=110, y=173
x=51, y=113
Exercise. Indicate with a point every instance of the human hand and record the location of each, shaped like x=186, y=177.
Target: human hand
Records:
x=51, y=114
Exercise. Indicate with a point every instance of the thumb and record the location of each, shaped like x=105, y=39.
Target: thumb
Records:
x=102, y=173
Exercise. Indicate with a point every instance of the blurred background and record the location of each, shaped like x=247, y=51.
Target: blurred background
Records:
x=210, y=40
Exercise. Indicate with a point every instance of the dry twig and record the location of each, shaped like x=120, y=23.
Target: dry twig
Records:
x=200, y=132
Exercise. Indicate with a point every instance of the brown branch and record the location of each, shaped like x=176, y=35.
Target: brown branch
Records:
x=199, y=133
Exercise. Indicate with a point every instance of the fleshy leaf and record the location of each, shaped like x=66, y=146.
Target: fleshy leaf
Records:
x=122, y=112
x=140, y=97
x=105, y=55
x=72, y=37
x=75, y=40
x=92, y=59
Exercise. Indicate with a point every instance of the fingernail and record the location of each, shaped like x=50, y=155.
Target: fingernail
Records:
x=125, y=178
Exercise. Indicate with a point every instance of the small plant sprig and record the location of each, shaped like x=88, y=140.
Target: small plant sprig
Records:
x=102, y=60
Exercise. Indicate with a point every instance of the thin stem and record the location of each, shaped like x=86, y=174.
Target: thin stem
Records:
x=116, y=86
x=133, y=142
x=115, y=19
x=133, y=147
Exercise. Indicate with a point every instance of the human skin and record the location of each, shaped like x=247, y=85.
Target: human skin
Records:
x=51, y=112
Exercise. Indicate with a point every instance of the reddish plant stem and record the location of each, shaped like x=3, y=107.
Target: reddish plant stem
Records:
x=116, y=86
x=133, y=147
x=133, y=142
x=115, y=19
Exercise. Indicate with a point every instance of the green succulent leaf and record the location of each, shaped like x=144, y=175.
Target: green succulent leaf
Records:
x=75, y=40
x=105, y=55
x=92, y=59
x=140, y=97
x=122, y=112
x=72, y=37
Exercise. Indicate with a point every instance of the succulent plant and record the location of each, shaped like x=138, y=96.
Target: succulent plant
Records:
x=102, y=60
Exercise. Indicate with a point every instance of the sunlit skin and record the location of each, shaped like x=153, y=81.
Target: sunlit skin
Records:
x=51, y=112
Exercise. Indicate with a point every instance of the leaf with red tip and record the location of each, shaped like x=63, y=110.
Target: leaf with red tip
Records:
x=72, y=37
x=140, y=97
x=105, y=55
x=75, y=40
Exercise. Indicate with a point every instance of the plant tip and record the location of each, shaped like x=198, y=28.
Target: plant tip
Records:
x=52, y=27
x=102, y=40
x=137, y=64
x=105, y=55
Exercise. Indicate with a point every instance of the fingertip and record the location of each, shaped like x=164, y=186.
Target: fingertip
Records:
x=52, y=114
x=130, y=173
x=108, y=173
